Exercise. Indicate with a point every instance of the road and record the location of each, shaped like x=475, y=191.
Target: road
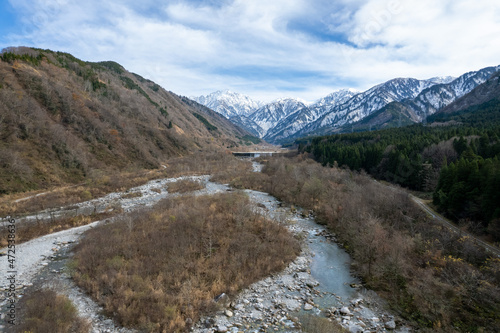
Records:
x=492, y=250
x=495, y=251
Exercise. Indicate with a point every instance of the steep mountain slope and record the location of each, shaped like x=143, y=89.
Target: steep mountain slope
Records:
x=397, y=114
x=396, y=102
x=335, y=98
x=363, y=104
x=426, y=103
x=229, y=104
x=306, y=115
x=247, y=124
x=391, y=115
x=485, y=92
x=271, y=120
x=62, y=119
x=439, y=96
x=270, y=114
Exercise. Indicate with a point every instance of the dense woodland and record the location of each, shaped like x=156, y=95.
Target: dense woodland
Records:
x=456, y=156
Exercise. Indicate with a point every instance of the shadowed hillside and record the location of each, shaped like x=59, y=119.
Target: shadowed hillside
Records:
x=63, y=120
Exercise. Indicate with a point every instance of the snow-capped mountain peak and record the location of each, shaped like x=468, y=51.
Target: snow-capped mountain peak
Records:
x=288, y=101
x=287, y=118
x=270, y=114
x=229, y=103
x=337, y=97
x=441, y=79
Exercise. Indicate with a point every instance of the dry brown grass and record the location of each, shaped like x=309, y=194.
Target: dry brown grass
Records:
x=99, y=183
x=43, y=311
x=185, y=185
x=159, y=269
x=61, y=119
x=223, y=165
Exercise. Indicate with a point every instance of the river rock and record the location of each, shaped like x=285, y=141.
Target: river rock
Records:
x=256, y=315
x=345, y=311
x=221, y=328
x=238, y=307
x=228, y=313
x=356, y=301
x=209, y=322
x=223, y=300
x=308, y=307
x=355, y=328
x=311, y=284
x=291, y=304
x=390, y=325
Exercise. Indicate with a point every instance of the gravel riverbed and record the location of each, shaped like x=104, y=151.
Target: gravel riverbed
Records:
x=270, y=305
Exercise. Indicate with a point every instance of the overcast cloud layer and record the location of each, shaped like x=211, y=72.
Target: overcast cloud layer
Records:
x=265, y=48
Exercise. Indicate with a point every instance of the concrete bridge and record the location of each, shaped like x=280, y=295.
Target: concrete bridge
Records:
x=256, y=153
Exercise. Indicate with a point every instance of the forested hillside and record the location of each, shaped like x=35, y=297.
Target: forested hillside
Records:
x=456, y=156
x=63, y=121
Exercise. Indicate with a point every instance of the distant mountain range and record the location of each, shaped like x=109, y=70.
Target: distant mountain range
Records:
x=393, y=103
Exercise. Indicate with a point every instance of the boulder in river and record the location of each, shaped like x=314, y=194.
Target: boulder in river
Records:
x=345, y=311
x=390, y=325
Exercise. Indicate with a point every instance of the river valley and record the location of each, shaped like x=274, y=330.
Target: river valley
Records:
x=319, y=282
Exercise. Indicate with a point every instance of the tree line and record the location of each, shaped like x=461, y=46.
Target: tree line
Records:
x=456, y=157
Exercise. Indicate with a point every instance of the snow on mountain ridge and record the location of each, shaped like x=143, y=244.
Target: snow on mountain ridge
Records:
x=439, y=96
x=441, y=79
x=290, y=117
x=229, y=103
x=270, y=114
x=336, y=97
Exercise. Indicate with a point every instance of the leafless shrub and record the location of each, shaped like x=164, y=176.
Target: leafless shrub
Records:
x=167, y=266
x=44, y=311
x=185, y=185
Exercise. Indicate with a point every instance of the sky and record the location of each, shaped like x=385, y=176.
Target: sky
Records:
x=266, y=49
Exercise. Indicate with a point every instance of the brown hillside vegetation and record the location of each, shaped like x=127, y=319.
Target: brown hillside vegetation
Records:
x=159, y=270
x=62, y=120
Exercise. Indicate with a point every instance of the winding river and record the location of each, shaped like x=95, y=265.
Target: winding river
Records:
x=318, y=282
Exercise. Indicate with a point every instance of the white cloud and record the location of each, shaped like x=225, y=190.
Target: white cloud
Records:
x=268, y=48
